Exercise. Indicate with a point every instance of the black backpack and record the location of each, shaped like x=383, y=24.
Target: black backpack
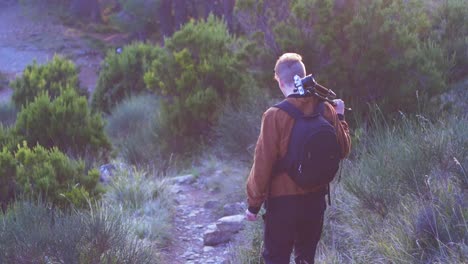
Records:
x=313, y=154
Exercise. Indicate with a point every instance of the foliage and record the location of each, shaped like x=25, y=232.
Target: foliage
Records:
x=8, y=113
x=122, y=75
x=35, y=233
x=450, y=24
x=399, y=66
x=7, y=177
x=132, y=127
x=53, y=78
x=47, y=174
x=197, y=71
x=65, y=123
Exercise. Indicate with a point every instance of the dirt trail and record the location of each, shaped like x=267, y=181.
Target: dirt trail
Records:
x=190, y=221
x=201, y=202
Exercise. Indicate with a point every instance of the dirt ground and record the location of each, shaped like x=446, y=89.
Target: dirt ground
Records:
x=28, y=34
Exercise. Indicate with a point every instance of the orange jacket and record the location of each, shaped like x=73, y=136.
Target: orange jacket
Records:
x=272, y=145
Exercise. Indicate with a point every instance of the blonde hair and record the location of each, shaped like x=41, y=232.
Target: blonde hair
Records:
x=288, y=65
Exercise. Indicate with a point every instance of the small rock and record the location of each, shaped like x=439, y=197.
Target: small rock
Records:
x=223, y=230
x=233, y=223
x=184, y=179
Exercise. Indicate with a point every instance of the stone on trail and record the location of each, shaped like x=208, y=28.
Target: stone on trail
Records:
x=184, y=179
x=223, y=230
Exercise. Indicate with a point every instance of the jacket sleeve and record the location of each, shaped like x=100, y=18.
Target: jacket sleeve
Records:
x=266, y=154
x=342, y=129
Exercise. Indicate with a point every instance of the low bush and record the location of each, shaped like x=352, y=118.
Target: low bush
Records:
x=132, y=128
x=195, y=74
x=122, y=75
x=35, y=233
x=65, y=123
x=47, y=174
x=53, y=77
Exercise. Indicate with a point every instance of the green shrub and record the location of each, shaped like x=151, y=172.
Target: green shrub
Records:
x=196, y=73
x=8, y=113
x=7, y=177
x=132, y=126
x=34, y=233
x=53, y=77
x=46, y=174
x=65, y=123
x=400, y=65
x=450, y=29
x=122, y=75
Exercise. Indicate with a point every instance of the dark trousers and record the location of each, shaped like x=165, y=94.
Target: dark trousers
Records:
x=293, y=222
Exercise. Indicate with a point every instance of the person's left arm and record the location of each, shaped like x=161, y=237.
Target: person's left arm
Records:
x=266, y=154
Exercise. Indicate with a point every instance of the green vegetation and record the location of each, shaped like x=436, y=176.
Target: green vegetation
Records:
x=46, y=174
x=8, y=113
x=144, y=201
x=196, y=73
x=201, y=86
x=450, y=30
x=122, y=75
x=132, y=128
x=53, y=78
x=36, y=233
x=368, y=51
x=65, y=123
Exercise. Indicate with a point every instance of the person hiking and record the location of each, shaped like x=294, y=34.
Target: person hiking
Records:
x=294, y=214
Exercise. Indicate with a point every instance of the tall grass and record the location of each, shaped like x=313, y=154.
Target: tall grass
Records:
x=144, y=201
x=402, y=198
x=35, y=233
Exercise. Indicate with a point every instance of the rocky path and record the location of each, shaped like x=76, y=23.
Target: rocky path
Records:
x=205, y=223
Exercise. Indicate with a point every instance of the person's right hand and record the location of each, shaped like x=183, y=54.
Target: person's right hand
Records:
x=250, y=216
x=339, y=106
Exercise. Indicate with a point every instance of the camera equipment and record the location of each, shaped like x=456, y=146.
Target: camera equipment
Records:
x=308, y=85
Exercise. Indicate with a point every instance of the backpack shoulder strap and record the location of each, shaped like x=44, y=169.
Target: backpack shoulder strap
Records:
x=290, y=109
